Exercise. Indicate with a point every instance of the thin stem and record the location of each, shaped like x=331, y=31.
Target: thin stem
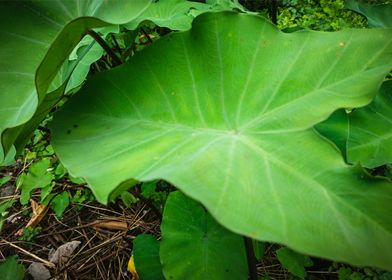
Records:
x=274, y=11
x=250, y=254
x=104, y=45
x=116, y=43
x=44, y=262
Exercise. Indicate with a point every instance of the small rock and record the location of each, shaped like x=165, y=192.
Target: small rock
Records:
x=38, y=271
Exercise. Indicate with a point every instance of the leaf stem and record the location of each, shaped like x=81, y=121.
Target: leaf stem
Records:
x=274, y=11
x=116, y=43
x=104, y=45
x=250, y=254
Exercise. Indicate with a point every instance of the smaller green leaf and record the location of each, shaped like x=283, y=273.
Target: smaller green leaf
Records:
x=195, y=246
x=294, y=262
x=364, y=135
x=344, y=273
x=4, y=180
x=45, y=191
x=370, y=127
x=3, y=211
x=60, y=203
x=82, y=195
x=37, y=176
x=148, y=189
x=259, y=249
x=11, y=269
x=60, y=171
x=77, y=181
x=146, y=254
x=9, y=158
x=128, y=199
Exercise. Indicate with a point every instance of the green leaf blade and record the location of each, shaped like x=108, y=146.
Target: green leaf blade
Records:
x=235, y=133
x=146, y=254
x=39, y=36
x=294, y=262
x=370, y=139
x=195, y=246
x=11, y=269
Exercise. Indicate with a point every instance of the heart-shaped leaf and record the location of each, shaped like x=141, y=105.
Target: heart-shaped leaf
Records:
x=195, y=246
x=146, y=254
x=225, y=112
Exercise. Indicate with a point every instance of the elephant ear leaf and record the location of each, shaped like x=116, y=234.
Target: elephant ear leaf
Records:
x=227, y=116
x=378, y=15
x=37, y=37
x=195, y=246
x=364, y=135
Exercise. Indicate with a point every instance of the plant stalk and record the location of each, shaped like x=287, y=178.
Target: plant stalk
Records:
x=104, y=45
x=250, y=254
x=274, y=11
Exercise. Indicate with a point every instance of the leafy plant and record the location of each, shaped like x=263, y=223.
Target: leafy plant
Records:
x=224, y=117
x=195, y=246
x=225, y=112
x=4, y=206
x=51, y=31
x=146, y=254
x=364, y=135
x=318, y=15
x=60, y=202
x=36, y=177
x=294, y=262
x=11, y=269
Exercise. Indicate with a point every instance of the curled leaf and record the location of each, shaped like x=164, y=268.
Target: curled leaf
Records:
x=111, y=225
x=63, y=252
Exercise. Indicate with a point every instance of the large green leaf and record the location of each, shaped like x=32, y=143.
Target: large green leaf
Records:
x=37, y=37
x=364, y=135
x=226, y=115
x=195, y=246
x=378, y=15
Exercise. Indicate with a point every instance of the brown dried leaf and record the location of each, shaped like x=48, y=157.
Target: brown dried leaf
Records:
x=111, y=225
x=63, y=252
x=39, y=212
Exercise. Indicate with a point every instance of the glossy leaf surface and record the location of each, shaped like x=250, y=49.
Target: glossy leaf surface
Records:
x=195, y=246
x=226, y=115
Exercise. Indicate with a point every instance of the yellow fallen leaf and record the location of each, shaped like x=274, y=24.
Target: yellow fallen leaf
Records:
x=132, y=268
